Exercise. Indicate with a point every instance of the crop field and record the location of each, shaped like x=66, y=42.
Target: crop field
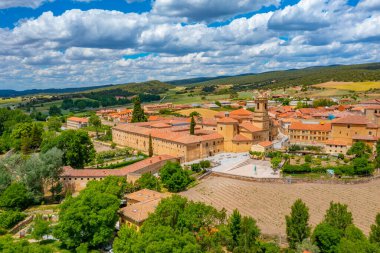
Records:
x=354, y=86
x=206, y=113
x=268, y=203
x=10, y=100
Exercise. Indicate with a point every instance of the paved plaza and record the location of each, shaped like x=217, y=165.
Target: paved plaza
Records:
x=242, y=165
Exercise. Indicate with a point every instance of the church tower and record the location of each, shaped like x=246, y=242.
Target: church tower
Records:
x=260, y=116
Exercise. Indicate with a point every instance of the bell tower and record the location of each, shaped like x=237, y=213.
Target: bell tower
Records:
x=260, y=116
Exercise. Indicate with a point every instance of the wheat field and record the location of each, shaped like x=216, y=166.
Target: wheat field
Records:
x=354, y=86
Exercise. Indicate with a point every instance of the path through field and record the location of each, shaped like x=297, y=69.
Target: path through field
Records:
x=268, y=203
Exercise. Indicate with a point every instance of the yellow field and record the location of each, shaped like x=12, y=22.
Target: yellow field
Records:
x=10, y=100
x=354, y=86
x=206, y=113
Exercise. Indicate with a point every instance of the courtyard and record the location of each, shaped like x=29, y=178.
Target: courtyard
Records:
x=240, y=164
x=268, y=203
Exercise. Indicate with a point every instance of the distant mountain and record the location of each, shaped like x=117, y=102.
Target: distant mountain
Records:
x=194, y=80
x=306, y=76
x=14, y=93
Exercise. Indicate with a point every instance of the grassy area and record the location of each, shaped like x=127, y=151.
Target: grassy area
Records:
x=206, y=113
x=354, y=86
x=10, y=100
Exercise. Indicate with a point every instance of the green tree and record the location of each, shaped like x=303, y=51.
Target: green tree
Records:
x=77, y=147
x=195, y=114
x=173, y=177
x=360, y=149
x=126, y=238
x=90, y=217
x=297, y=224
x=16, y=196
x=192, y=126
x=40, y=227
x=249, y=232
x=10, y=218
x=275, y=161
x=338, y=216
x=377, y=158
x=326, y=237
x=54, y=124
x=148, y=181
x=234, y=226
x=95, y=122
x=138, y=114
x=374, y=235
x=150, y=148
x=54, y=111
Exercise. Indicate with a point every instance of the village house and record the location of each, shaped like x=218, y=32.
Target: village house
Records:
x=76, y=179
x=155, y=108
x=139, y=205
x=76, y=123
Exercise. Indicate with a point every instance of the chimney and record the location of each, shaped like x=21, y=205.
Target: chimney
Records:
x=226, y=114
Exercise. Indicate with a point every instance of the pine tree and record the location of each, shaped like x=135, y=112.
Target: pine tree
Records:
x=297, y=227
x=235, y=226
x=150, y=148
x=192, y=126
x=138, y=114
x=377, y=159
x=35, y=136
x=374, y=235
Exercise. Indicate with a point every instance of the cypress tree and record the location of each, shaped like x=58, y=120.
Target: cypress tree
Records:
x=374, y=235
x=138, y=114
x=297, y=227
x=235, y=227
x=192, y=126
x=150, y=149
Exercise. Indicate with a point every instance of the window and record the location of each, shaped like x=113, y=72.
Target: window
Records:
x=348, y=126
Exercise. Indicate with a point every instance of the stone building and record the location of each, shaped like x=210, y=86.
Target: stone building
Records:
x=76, y=123
x=236, y=131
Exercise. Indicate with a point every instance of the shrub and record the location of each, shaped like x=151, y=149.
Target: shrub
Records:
x=297, y=169
x=308, y=158
x=10, y=218
x=205, y=164
x=341, y=156
x=196, y=167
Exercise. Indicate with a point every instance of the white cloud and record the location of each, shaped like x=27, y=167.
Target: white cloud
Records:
x=4, y=4
x=199, y=10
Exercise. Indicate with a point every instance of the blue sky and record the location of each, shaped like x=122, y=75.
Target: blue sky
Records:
x=72, y=43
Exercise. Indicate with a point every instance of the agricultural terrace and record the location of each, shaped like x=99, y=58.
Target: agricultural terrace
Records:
x=268, y=203
x=354, y=86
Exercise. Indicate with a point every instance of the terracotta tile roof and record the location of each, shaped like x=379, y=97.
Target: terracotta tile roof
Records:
x=250, y=127
x=213, y=136
x=336, y=142
x=154, y=118
x=290, y=120
x=241, y=112
x=265, y=144
x=356, y=120
x=365, y=137
x=311, y=110
x=240, y=137
x=145, y=194
x=207, y=122
x=160, y=125
x=220, y=115
x=78, y=119
x=227, y=120
x=310, y=127
x=68, y=171
x=140, y=211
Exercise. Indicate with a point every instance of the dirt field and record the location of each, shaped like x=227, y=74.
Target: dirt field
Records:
x=355, y=86
x=206, y=113
x=268, y=203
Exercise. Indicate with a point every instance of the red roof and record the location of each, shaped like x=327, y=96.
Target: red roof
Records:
x=310, y=127
x=265, y=144
x=78, y=119
x=250, y=127
x=240, y=137
x=227, y=120
x=356, y=120
x=241, y=112
x=68, y=171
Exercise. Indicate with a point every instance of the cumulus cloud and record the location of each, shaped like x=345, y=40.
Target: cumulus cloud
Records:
x=92, y=47
x=200, y=10
x=4, y=4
